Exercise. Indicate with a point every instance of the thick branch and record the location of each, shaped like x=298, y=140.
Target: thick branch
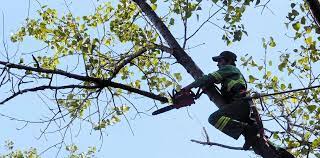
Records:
x=315, y=10
x=182, y=57
x=99, y=82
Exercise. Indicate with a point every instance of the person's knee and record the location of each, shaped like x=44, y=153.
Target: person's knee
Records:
x=213, y=118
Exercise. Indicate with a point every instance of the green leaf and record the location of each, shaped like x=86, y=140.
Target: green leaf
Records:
x=303, y=20
x=252, y=79
x=272, y=42
x=125, y=108
x=138, y=84
x=264, y=44
x=308, y=30
x=311, y=108
x=21, y=61
x=281, y=66
x=28, y=72
x=154, y=6
x=177, y=76
x=215, y=1
x=296, y=26
x=70, y=96
x=268, y=74
x=171, y=21
x=307, y=135
x=115, y=119
x=309, y=40
x=274, y=79
x=316, y=142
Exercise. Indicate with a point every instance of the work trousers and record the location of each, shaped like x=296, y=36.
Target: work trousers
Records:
x=232, y=118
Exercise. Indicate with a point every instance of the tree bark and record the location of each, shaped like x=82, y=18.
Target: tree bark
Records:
x=185, y=60
x=182, y=57
x=315, y=10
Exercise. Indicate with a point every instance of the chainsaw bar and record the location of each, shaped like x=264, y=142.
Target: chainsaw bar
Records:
x=164, y=109
x=179, y=99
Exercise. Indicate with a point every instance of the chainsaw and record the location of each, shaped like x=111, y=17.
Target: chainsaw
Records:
x=180, y=99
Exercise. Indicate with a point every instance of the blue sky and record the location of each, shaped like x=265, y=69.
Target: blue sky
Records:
x=166, y=135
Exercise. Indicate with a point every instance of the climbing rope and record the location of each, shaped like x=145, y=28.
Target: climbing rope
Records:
x=259, y=95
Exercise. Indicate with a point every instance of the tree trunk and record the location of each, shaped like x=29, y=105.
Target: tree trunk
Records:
x=315, y=10
x=185, y=60
x=182, y=57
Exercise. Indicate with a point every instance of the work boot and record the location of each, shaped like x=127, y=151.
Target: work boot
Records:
x=250, y=135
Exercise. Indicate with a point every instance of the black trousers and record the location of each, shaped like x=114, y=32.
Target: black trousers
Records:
x=232, y=118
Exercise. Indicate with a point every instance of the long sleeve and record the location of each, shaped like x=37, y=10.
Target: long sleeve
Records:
x=216, y=77
x=204, y=80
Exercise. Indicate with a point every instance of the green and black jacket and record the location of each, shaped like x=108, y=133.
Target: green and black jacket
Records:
x=231, y=79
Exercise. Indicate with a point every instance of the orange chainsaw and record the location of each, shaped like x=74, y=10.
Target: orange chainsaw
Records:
x=180, y=99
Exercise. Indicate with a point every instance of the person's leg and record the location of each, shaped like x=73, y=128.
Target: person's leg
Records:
x=224, y=120
x=233, y=120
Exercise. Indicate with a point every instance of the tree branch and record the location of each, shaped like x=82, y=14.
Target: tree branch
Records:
x=126, y=61
x=182, y=57
x=99, y=82
x=205, y=23
x=207, y=142
x=44, y=88
x=315, y=10
x=216, y=144
x=137, y=54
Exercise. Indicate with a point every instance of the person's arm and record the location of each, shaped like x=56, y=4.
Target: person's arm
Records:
x=200, y=82
x=215, y=77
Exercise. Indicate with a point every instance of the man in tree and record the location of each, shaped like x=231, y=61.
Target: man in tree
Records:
x=233, y=118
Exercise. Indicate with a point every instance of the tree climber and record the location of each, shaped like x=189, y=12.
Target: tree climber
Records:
x=233, y=118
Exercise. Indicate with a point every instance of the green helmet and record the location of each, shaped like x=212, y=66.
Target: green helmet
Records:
x=225, y=55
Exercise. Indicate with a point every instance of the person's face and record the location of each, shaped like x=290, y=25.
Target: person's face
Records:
x=221, y=62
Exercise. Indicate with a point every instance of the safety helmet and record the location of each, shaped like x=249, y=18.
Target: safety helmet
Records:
x=225, y=55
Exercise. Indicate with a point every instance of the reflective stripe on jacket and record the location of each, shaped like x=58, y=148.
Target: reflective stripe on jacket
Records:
x=229, y=76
